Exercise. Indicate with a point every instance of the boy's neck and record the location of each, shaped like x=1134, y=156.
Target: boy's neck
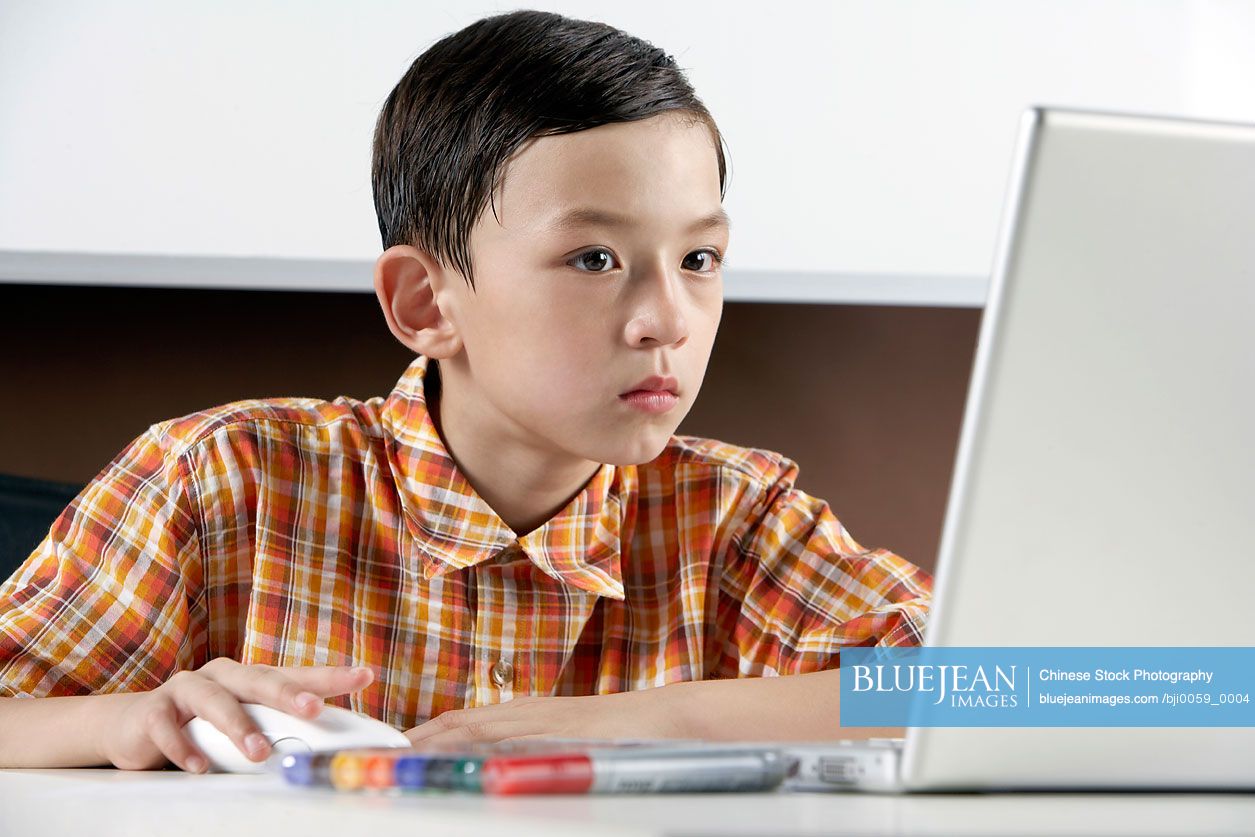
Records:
x=523, y=483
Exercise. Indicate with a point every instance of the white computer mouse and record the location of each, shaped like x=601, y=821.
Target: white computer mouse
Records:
x=333, y=729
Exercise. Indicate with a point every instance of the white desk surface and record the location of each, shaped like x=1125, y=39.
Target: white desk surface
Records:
x=90, y=802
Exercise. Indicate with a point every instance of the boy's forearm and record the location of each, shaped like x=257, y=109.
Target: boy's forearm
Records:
x=56, y=731
x=800, y=707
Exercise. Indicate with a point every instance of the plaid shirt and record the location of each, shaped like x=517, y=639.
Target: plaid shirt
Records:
x=293, y=531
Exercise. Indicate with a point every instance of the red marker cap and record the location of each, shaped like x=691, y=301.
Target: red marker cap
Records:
x=556, y=773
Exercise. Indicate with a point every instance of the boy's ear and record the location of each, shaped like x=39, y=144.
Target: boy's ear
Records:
x=408, y=283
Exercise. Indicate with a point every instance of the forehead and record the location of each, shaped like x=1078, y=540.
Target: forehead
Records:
x=664, y=167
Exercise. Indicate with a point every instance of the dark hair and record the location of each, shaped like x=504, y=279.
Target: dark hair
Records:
x=474, y=97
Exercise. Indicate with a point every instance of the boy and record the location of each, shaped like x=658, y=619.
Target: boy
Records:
x=513, y=542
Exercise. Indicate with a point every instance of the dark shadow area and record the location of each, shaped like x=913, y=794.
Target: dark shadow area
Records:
x=867, y=399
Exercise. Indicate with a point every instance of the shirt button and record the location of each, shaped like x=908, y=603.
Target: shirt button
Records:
x=502, y=673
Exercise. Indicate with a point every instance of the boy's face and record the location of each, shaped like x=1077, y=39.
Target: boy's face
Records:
x=568, y=317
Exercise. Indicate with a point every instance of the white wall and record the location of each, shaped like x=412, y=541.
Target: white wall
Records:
x=866, y=137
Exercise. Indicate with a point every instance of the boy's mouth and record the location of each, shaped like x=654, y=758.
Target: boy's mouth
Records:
x=650, y=400
x=656, y=385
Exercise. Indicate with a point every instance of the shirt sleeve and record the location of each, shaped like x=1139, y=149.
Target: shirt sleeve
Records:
x=797, y=587
x=102, y=604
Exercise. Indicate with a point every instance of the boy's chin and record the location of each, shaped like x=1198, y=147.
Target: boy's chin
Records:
x=638, y=452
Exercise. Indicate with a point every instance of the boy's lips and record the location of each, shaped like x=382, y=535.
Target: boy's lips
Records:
x=656, y=384
x=655, y=401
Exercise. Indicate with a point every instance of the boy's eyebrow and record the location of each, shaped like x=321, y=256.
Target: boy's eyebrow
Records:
x=574, y=219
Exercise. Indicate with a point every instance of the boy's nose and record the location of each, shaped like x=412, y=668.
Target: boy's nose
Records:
x=660, y=318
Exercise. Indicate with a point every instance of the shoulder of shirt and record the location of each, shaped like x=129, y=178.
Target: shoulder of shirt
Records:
x=182, y=434
x=765, y=468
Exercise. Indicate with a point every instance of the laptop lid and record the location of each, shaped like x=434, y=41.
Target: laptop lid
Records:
x=1104, y=489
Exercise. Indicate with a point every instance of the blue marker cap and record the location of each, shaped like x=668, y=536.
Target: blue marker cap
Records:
x=296, y=768
x=411, y=772
x=307, y=769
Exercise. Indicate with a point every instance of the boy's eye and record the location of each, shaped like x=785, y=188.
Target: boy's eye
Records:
x=593, y=261
x=599, y=260
x=713, y=260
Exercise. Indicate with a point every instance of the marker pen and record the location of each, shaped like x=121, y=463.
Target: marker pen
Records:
x=348, y=770
x=410, y=771
x=454, y=772
x=627, y=771
x=468, y=774
x=438, y=773
x=380, y=764
x=379, y=770
x=309, y=770
x=382, y=769
x=551, y=773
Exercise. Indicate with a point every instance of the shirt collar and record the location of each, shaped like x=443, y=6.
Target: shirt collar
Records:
x=456, y=528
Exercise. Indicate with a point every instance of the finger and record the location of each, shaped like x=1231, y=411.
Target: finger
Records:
x=297, y=690
x=301, y=689
x=453, y=718
x=467, y=731
x=538, y=713
x=434, y=726
x=161, y=725
x=527, y=738
x=215, y=703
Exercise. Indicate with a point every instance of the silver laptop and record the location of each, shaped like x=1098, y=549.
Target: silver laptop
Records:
x=1104, y=489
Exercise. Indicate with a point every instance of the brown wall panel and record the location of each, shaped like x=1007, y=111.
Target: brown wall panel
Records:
x=868, y=400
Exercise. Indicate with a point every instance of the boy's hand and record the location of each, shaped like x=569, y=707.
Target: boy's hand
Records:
x=800, y=707
x=146, y=730
x=644, y=714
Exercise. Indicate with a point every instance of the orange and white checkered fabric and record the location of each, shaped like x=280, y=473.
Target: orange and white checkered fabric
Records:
x=294, y=531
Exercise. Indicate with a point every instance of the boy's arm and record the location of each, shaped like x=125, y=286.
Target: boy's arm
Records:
x=107, y=601
x=800, y=707
x=104, y=633
x=796, y=588
x=142, y=730
x=98, y=611
x=56, y=731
